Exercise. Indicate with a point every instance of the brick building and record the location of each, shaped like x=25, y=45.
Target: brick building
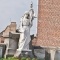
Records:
x=6, y=39
x=7, y=30
x=48, y=23
x=48, y=31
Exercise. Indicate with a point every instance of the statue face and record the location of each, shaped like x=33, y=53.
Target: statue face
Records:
x=27, y=16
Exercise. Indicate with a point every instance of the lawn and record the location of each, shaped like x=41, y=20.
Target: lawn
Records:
x=23, y=58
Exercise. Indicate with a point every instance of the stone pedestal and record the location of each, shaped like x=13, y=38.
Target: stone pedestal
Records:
x=11, y=44
x=27, y=53
x=47, y=55
x=24, y=53
x=52, y=54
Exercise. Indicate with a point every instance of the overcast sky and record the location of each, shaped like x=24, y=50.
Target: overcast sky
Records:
x=12, y=10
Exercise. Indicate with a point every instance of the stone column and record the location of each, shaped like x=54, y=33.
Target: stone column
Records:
x=52, y=54
x=47, y=54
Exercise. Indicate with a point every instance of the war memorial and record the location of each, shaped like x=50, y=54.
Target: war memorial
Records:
x=46, y=44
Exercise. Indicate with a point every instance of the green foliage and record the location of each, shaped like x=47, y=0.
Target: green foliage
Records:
x=9, y=58
x=1, y=58
x=22, y=58
x=28, y=58
x=34, y=59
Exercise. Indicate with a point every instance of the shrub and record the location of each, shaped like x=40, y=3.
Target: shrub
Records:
x=34, y=59
x=28, y=58
x=9, y=58
x=12, y=58
x=23, y=58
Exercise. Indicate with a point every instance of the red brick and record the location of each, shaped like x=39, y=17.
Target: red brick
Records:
x=48, y=23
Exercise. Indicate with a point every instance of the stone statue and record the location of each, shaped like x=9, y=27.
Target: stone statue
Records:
x=26, y=23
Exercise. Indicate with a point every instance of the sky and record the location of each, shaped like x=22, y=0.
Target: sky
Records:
x=13, y=10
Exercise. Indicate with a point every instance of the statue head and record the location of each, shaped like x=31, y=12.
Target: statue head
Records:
x=27, y=15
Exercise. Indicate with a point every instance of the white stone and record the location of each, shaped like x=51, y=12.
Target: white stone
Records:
x=52, y=53
x=26, y=23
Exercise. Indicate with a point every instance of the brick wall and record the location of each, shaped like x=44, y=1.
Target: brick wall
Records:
x=48, y=23
x=34, y=41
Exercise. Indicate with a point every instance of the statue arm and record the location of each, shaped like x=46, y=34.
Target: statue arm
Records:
x=31, y=11
x=21, y=26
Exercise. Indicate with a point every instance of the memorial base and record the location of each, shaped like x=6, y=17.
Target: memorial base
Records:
x=24, y=53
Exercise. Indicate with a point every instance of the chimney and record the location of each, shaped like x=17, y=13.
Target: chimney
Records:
x=13, y=27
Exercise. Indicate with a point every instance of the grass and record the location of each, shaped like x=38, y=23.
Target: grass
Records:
x=23, y=58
